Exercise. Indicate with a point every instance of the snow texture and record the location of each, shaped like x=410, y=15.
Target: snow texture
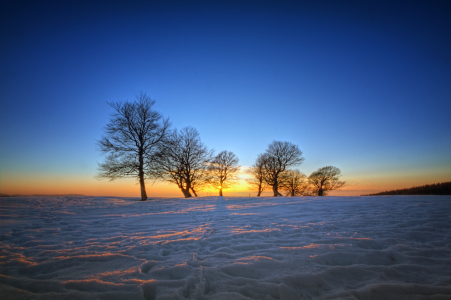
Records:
x=387, y=247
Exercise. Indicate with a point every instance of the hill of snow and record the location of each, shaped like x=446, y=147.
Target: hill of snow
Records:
x=379, y=247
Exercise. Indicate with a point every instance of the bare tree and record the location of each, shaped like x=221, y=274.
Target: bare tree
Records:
x=183, y=160
x=223, y=170
x=325, y=179
x=257, y=175
x=132, y=136
x=293, y=182
x=200, y=181
x=277, y=158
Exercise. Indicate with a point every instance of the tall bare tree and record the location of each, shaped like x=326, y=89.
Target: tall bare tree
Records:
x=182, y=160
x=277, y=158
x=325, y=179
x=293, y=183
x=131, y=138
x=257, y=173
x=224, y=170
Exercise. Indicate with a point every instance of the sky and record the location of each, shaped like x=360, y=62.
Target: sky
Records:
x=363, y=86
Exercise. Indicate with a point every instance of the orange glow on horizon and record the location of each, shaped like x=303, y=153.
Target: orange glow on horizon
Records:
x=32, y=184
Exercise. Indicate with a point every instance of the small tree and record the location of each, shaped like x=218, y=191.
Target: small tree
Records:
x=257, y=175
x=325, y=179
x=277, y=158
x=223, y=170
x=182, y=160
x=294, y=183
x=133, y=135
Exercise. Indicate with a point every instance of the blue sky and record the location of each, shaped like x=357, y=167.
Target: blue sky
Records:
x=361, y=86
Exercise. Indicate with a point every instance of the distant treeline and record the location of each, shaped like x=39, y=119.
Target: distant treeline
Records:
x=443, y=188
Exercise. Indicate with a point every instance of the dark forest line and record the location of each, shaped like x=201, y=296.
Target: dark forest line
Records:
x=443, y=188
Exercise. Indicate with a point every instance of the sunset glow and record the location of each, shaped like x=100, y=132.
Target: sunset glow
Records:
x=69, y=184
x=364, y=88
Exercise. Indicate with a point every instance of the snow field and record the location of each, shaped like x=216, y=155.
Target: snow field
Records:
x=388, y=247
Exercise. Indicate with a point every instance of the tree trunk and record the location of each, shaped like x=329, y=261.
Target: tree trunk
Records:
x=186, y=192
x=220, y=192
x=275, y=189
x=259, y=191
x=188, y=187
x=141, y=177
x=320, y=191
x=194, y=192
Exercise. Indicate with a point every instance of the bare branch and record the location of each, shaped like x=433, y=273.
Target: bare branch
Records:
x=132, y=139
x=293, y=183
x=257, y=173
x=224, y=170
x=277, y=158
x=325, y=179
x=183, y=160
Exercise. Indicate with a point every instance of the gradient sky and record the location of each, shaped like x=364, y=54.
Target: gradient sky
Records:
x=365, y=87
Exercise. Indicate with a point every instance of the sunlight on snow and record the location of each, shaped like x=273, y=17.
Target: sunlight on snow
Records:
x=207, y=248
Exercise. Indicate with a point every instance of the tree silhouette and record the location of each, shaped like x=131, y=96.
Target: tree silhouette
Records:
x=277, y=158
x=223, y=170
x=325, y=179
x=132, y=137
x=182, y=160
x=443, y=188
x=293, y=182
x=257, y=173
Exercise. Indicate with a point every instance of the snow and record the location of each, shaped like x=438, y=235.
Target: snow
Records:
x=388, y=247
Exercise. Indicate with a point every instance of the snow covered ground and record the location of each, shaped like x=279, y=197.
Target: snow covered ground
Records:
x=389, y=247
